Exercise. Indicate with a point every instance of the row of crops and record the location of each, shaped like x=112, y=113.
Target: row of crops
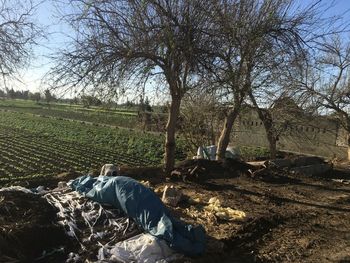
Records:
x=29, y=156
x=111, y=117
x=32, y=146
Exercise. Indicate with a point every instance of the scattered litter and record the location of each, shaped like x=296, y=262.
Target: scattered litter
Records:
x=143, y=248
x=39, y=190
x=208, y=152
x=29, y=231
x=233, y=153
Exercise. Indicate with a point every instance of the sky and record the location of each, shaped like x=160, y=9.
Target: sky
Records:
x=56, y=37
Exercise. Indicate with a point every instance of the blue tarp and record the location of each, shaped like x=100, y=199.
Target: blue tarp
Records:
x=145, y=208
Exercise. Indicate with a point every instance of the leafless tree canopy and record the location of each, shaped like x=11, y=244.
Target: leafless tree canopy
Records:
x=325, y=78
x=119, y=41
x=17, y=34
x=250, y=41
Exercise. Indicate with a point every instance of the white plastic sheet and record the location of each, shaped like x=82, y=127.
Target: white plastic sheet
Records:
x=142, y=248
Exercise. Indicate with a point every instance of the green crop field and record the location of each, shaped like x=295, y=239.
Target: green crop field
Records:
x=115, y=117
x=38, y=146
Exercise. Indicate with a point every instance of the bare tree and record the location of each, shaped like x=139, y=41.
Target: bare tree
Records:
x=17, y=34
x=125, y=43
x=277, y=116
x=271, y=94
x=324, y=82
x=200, y=118
x=251, y=38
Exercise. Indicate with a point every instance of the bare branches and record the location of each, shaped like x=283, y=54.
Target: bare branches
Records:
x=119, y=40
x=326, y=78
x=17, y=34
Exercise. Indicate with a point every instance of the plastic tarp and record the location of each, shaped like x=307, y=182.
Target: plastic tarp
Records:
x=89, y=222
x=145, y=208
x=209, y=152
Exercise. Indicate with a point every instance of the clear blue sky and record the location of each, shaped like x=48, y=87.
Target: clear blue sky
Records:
x=56, y=37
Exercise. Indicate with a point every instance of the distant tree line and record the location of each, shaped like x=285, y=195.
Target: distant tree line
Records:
x=20, y=94
x=85, y=100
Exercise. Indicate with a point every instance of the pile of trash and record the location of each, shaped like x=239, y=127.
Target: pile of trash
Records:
x=93, y=226
x=145, y=208
x=202, y=169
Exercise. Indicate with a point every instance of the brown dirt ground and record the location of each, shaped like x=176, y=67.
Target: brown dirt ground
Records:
x=28, y=228
x=290, y=218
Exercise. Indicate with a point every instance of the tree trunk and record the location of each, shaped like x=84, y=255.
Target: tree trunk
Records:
x=272, y=144
x=170, y=146
x=224, y=138
x=212, y=135
x=266, y=117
